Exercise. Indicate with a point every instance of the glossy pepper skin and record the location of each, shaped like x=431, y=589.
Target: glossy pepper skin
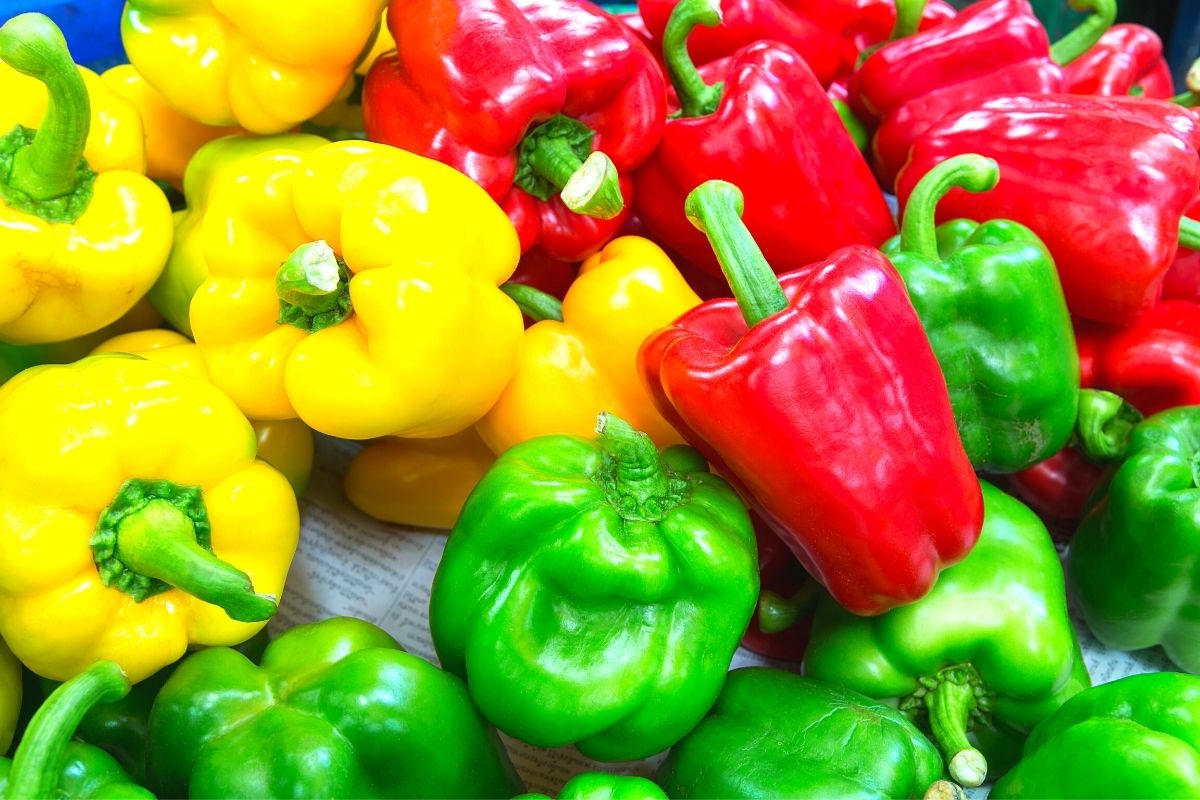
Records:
x=83, y=233
x=1111, y=246
x=585, y=360
x=1132, y=561
x=606, y=580
x=989, y=298
x=10, y=695
x=355, y=286
x=989, y=650
x=875, y=22
x=745, y=130
x=1136, y=738
x=489, y=87
x=854, y=508
x=1128, y=59
x=121, y=557
x=603, y=786
x=775, y=734
x=264, y=66
x=333, y=709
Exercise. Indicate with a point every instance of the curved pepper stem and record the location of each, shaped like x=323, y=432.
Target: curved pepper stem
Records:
x=1189, y=233
x=908, y=18
x=777, y=613
x=1087, y=33
x=696, y=98
x=557, y=156
x=1104, y=425
x=39, y=761
x=313, y=286
x=715, y=208
x=975, y=173
x=534, y=303
x=952, y=698
x=635, y=478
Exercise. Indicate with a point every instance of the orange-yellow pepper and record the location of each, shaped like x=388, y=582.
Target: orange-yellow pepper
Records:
x=572, y=370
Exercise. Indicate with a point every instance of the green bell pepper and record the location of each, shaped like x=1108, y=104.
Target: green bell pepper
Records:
x=1133, y=561
x=990, y=300
x=10, y=695
x=775, y=734
x=603, y=786
x=48, y=764
x=594, y=593
x=336, y=709
x=989, y=651
x=1138, y=737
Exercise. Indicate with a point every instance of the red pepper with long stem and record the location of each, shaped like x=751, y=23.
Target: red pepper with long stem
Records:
x=771, y=127
x=819, y=394
x=547, y=104
x=1128, y=59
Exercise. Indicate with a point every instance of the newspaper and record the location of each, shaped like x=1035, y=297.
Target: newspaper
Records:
x=349, y=564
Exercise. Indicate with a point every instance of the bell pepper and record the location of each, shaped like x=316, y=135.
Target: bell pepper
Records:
x=989, y=298
x=1132, y=561
x=593, y=592
x=10, y=695
x=354, y=286
x=581, y=357
x=285, y=444
x=787, y=599
x=333, y=709
x=113, y=551
x=418, y=482
x=603, y=786
x=1128, y=59
x=1183, y=276
x=906, y=86
x=775, y=734
x=875, y=22
x=547, y=104
x=1113, y=232
x=746, y=129
x=48, y=764
x=1136, y=737
x=264, y=66
x=990, y=651
x=84, y=234
x=832, y=347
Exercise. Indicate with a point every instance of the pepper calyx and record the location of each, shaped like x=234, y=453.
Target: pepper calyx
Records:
x=557, y=157
x=632, y=474
x=954, y=699
x=313, y=286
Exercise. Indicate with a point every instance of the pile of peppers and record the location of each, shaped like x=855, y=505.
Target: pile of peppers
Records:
x=861, y=335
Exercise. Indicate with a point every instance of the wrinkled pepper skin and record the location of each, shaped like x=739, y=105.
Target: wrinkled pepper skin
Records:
x=1111, y=246
x=81, y=466
x=334, y=709
x=471, y=83
x=775, y=734
x=593, y=592
x=989, y=298
x=1132, y=562
x=603, y=786
x=264, y=66
x=1000, y=613
x=1137, y=738
x=10, y=695
x=412, y=336
x=1128, y=59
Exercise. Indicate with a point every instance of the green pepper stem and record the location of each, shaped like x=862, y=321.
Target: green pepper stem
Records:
x=975, y=173
x=696, y=98
x=38, y=763
x=534, y=303
x=1191, y=97
x=633, y=475
x=1087, y=33
x=47, y=168
x=590, y=187
x=908, y=18
x=1104, y=425
x=944, y=790
x=777, y=613
x=313, y=286
x=852, y=124
x=159, y=541
x=715, y=209
x=950, y=706
x=1189, y=233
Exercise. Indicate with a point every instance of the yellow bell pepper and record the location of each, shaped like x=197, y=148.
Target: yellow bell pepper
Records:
x=136, y=521
x=265, y=65
x=82, y=235
x=285, y=444
x=355, y=286
x=583, y=359
x=420, y=482
x=171, y=138
x=10, y=695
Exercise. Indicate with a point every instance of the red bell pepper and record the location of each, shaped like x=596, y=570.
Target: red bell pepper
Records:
x=517, y=94
x=771, y=127
x=787, y=599
x=875, y=22
x=1103, y=181
x=819, y=394
x=1128, y=59
x=993, y=47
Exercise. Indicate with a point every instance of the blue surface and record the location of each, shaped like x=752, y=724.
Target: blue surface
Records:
x=92, y=27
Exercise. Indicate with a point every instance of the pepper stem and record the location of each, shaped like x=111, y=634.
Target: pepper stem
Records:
x=908, y=18
x=1191, y=97
x=1104, y=425
x=950, y=707
x=38, y=763
x=313, y=286
x=1087, y=33
x=552, y=159
x=696, y=98
x=777, y=613
x=534, y=303
x=975, y=173
x=715, y=209
x=1189, y=233
x=634, y=478
x=944, y=790
x=49, y=166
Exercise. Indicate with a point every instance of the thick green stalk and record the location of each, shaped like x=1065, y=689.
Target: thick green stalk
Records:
x=950, y=707
x=634, y=477
x=975, y=173
x=1189, y=233
x=908, y=18
x=534, y=303
x=1104, y=425
x=557, y=156
x=313, y=286
x=1087, y=33
x=696, y=98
